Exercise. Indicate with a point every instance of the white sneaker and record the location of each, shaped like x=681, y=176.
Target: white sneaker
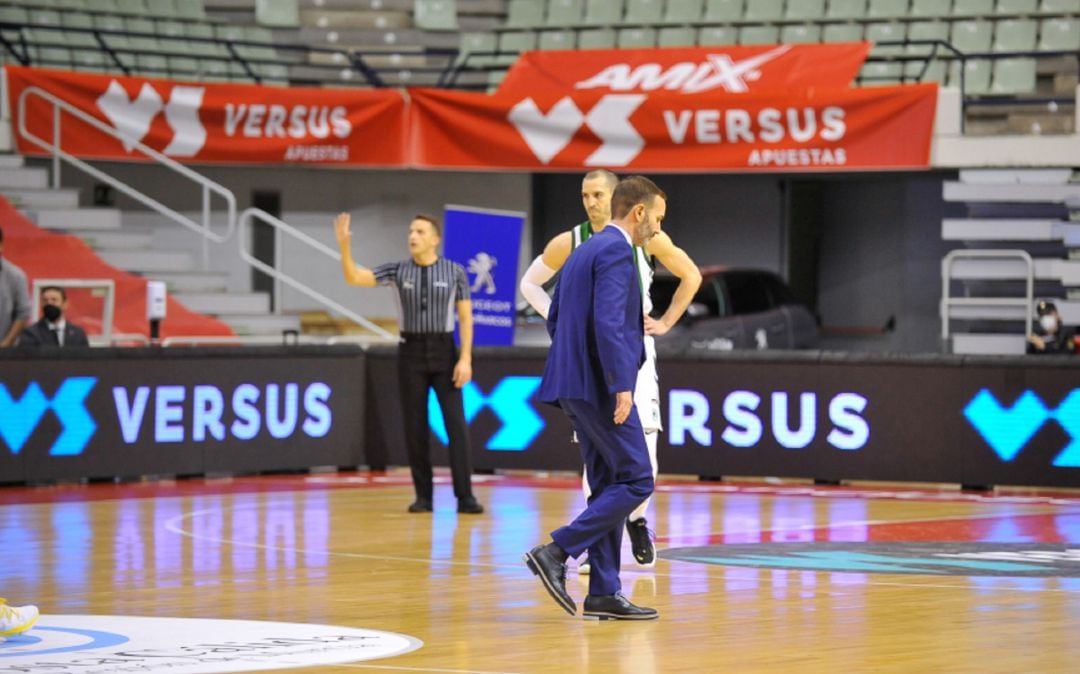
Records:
x=16, y=619
x=583, y=568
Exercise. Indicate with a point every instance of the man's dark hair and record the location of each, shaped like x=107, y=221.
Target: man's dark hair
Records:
x=63, y=293
x=633, y=191
x=434, y=223
x=1043, y=308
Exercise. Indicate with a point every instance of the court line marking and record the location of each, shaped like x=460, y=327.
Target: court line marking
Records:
x=422, y=669
x=173, y=525
x=876, y=523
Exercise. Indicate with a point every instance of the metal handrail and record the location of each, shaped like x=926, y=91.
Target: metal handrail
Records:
x=208, y=186
x=947, y=302
x=239, y=340
x=272, y=340
x=282, y=227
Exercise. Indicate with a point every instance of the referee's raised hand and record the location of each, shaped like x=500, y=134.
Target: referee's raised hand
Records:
x=341, y=229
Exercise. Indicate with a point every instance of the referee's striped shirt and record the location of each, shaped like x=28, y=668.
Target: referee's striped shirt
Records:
x=426, y=295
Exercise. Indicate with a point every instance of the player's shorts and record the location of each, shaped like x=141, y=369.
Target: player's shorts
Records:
x=647, y=390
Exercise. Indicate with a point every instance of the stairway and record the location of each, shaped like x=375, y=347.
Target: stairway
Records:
x=139, y=250
x=1027, y=210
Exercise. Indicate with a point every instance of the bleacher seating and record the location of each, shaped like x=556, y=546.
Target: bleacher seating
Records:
x=956, y=37
x=179, y=38
x=676, y=36
x=846, y=9
x=682, y=11
x=644, y=11
x=723, y=10
x=764, y=10
x=805, y=11
x=636, y=38
x=168, y=38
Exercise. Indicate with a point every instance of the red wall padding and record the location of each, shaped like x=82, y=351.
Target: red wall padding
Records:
x=45, y=254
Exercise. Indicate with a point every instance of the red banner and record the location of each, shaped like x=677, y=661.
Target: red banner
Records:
x=815, y=130
x=692, y=70
x=199, y=122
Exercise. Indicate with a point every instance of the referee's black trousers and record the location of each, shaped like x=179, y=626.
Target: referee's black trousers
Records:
x=427, y=360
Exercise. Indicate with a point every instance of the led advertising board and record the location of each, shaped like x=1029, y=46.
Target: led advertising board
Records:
x=180, y=414
x=834, y=417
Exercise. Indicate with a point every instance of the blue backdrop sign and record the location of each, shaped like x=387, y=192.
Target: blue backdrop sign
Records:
x=487, y=243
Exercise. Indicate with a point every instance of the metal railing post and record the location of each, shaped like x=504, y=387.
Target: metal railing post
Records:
x=282, y=227
x=56, y=148
x=279, y=258
x=206, y=228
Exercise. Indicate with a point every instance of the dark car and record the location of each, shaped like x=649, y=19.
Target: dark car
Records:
x=733, y=309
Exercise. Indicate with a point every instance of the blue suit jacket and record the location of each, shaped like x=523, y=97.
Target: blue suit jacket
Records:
x=595, y=323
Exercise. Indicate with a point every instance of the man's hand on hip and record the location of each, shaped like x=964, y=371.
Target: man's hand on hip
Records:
x=654, y=327
x=624, y=402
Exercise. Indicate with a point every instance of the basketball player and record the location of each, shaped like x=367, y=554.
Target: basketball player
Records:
x=596, y=190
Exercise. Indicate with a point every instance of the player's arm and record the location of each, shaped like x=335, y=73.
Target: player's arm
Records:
x=354, y=273
x=21, y=313
x=678, y=263
x=542, y=269
x=463, y=368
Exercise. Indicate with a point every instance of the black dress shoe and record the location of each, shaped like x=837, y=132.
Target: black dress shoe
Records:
x=616, y=607
x=469, y=506
x=420, y=505
x=641, y=542
x=552, y=573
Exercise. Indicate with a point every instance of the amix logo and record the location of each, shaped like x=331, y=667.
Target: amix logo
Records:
x=718, y=71
x=1009, y=429
x=19, y=418
x=509, y=400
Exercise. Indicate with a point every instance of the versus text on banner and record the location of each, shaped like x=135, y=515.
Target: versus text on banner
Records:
x=833, y=129
x=203, y=122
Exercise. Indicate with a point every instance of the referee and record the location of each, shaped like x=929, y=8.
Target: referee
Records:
x=429, y=289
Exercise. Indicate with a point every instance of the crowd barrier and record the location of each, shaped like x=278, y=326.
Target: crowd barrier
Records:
x=188, y=411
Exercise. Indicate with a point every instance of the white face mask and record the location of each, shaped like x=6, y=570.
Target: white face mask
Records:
x=1048, y=323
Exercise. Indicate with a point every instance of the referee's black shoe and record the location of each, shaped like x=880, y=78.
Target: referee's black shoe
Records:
x=420, y=505
x=641, y=542
x=469, y=506
x=616, y=607
x=552, y=573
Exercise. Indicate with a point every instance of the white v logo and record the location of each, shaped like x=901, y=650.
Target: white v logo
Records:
x=182, y=112
x=546, y=135
x=131, y=118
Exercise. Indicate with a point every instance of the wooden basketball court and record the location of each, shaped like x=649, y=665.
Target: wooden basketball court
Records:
x=773, y=577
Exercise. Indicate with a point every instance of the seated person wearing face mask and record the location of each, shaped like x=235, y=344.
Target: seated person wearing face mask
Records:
x=1051, y=337
x=53, y=329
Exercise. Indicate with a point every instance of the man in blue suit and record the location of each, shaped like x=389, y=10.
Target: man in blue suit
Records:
x=596, y=326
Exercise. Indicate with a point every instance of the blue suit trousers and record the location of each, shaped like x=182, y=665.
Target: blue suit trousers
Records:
x=620, y=477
